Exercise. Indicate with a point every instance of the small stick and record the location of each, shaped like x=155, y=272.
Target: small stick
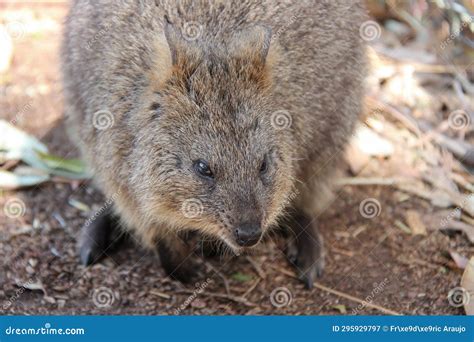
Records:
x=370, y=181
x=254, y=285
x=342, y=294
x=408, y=121
x=160, y=294
x=257, y=267
x=224, y=279
x=236, y=299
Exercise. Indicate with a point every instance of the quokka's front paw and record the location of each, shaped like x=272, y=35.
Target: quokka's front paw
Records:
x=97, y=237
x=306, y=250
x=179, y=260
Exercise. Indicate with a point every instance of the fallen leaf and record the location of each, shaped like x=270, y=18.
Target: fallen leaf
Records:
x=49, y=299
x=415, y=223
x=460, y=260
x=341, y=308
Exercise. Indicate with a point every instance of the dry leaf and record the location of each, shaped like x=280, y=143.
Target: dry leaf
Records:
x=415, y=223
x=460, y=260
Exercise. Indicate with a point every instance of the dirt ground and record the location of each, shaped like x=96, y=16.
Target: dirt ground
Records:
x=370, y=259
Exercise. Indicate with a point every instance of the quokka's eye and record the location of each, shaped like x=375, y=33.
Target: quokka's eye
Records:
x=264, y=165
x=202, y=169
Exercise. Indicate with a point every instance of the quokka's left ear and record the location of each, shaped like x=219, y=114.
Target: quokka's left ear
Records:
x=252, y=42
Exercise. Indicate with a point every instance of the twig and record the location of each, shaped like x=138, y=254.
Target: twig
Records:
x=467, y=219
x=160, y=294
x=236, y=299
x=461, y=149
x=342, y=294
x=257, y=267
x=254, y=285
x=370, y=181
x=418, y=262
x=462, y=182
x=408, y=121
x=224, y=279
x=421, y=67
x=343, y=252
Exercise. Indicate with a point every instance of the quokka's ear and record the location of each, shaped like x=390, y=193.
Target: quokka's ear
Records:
x=167, y=45
x=173, y=52
x=173, y=39
x=163, y=61
x=252, y=42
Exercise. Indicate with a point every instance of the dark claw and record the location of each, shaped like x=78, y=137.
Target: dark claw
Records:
x=89, y=254
x=97, y=237
x=305, y=250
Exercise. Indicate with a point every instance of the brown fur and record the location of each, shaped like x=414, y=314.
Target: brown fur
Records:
x=174, y=100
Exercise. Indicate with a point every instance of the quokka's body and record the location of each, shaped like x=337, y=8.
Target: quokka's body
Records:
x=225, y=117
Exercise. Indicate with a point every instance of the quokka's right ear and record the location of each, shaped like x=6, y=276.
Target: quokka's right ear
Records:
x=173, y=54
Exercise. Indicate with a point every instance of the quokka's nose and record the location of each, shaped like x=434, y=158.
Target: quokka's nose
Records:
x=248, y=234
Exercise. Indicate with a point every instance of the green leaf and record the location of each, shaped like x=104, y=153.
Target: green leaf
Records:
x=17, y=145
x=241, y=277
x=54, y=162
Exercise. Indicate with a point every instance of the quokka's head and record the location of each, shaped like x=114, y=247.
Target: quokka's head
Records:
x=212, y=153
